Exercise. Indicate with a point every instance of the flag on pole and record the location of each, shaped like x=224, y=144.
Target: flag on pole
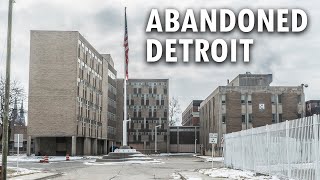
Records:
x=126, y=45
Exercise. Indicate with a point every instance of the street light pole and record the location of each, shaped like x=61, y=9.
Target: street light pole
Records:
x=7, y=94
x=195, y=146
x=155, y=138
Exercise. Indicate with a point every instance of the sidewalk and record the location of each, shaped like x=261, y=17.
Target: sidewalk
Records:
x=41, y=175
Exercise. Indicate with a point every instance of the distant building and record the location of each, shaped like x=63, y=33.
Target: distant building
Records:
x=312, y=107
x=71, y=95
x=190, y=116
x=248, y=101
x=184, y=139
x=148, y=104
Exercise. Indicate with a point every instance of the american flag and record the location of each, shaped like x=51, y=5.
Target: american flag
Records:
x=126, y=44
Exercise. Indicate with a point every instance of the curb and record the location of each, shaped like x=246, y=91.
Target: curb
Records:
x=50, y=176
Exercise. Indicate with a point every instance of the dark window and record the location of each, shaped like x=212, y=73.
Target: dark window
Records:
x=243, y=118
x=150, y=90
x=280, y=117
x=165, y=90
x=134, y=114
x=132, y=102
x=147, y=102
x=223, y=119
x=154, y=114
x=162, y=102
x=155, y=90
x=157, y=102
x=135, y=90
x=139, y=90
x=243, y=99
x=250, y=118
x=279, y=98
x=273, y=118
x=150, y=113
x=139, y=114
x=127, y=101
x=142, y=101
x=165, y=114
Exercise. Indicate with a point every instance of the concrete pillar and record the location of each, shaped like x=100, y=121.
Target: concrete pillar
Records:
x=105, y=147
x=37, y=145
x=87, y=146
x=95, y=146
x=29, y=146
x=73, y=146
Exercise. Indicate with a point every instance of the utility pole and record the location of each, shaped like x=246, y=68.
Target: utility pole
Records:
x=6, y=98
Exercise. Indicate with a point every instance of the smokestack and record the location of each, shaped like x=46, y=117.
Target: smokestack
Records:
x=228, y=81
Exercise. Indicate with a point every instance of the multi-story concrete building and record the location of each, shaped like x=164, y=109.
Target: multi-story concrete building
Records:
x=312, y=107
x=248, y=101
x=148, y=107
x=190, y=116
x=71, y=95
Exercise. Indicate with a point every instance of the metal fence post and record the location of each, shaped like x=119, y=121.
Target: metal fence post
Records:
x=315, y=120
x=268, y=148
x=287, y=148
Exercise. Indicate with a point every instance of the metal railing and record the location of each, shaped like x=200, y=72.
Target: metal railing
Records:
x=289, y=149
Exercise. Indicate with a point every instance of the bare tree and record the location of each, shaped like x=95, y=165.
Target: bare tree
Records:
x=174, y=110
x=17, y=92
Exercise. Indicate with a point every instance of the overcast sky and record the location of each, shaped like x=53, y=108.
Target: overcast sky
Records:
x=292, y=58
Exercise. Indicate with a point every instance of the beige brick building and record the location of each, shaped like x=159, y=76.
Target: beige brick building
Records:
x=148, y=105
x=69, y=95
x=248, y=101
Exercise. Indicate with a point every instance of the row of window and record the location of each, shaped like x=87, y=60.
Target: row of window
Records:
x=88, y=57
x=147, y=133
x=147, y=83
x=138, y=113
x=145, y=102
x=250, y=118
x=151, y=90
x=274, y=99
x=148, y=107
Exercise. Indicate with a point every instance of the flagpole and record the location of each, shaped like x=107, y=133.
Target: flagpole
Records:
x=124, y=140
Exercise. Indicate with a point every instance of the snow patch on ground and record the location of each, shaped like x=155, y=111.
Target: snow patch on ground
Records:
x=175, y=154
x=209, y=159
x=33, y=158
x=175, y=176
x=122, y=162
x=20, y=171
x=234, y=174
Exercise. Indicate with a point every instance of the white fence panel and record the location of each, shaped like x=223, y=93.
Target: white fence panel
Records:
x=289, y=149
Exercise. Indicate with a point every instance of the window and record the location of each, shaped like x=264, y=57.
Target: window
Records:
x=150, y=113
x=147, y=102
x=299, y=115
x=243, y=99
x=132, y=102
x=150, y=90
x=165, y=91
x=280, y=118
x=273, y=118
x=280, y=98
x=250, y=118
x=142, y=101
x=135, y=90
x=273, y=99
x=154, y=114
x=162, y=102
x=223, y=118
x=223, y=99
x=157, y=102
x=155, y=91
x=243, y=118
x=249, y=98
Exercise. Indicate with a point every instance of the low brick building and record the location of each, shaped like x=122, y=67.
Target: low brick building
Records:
x=248, y=101
x=190, y=116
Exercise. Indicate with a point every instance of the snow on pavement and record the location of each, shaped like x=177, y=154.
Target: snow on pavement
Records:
x=209, y=159
x=21, y=171
x=234, y=174
x=25, y=158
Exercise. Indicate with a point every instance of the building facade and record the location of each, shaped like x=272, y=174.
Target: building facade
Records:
x=69, y=95
x=184, y=139
x=312, y=107
x=148, y=105
x=190, y=116
x=248, y=101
